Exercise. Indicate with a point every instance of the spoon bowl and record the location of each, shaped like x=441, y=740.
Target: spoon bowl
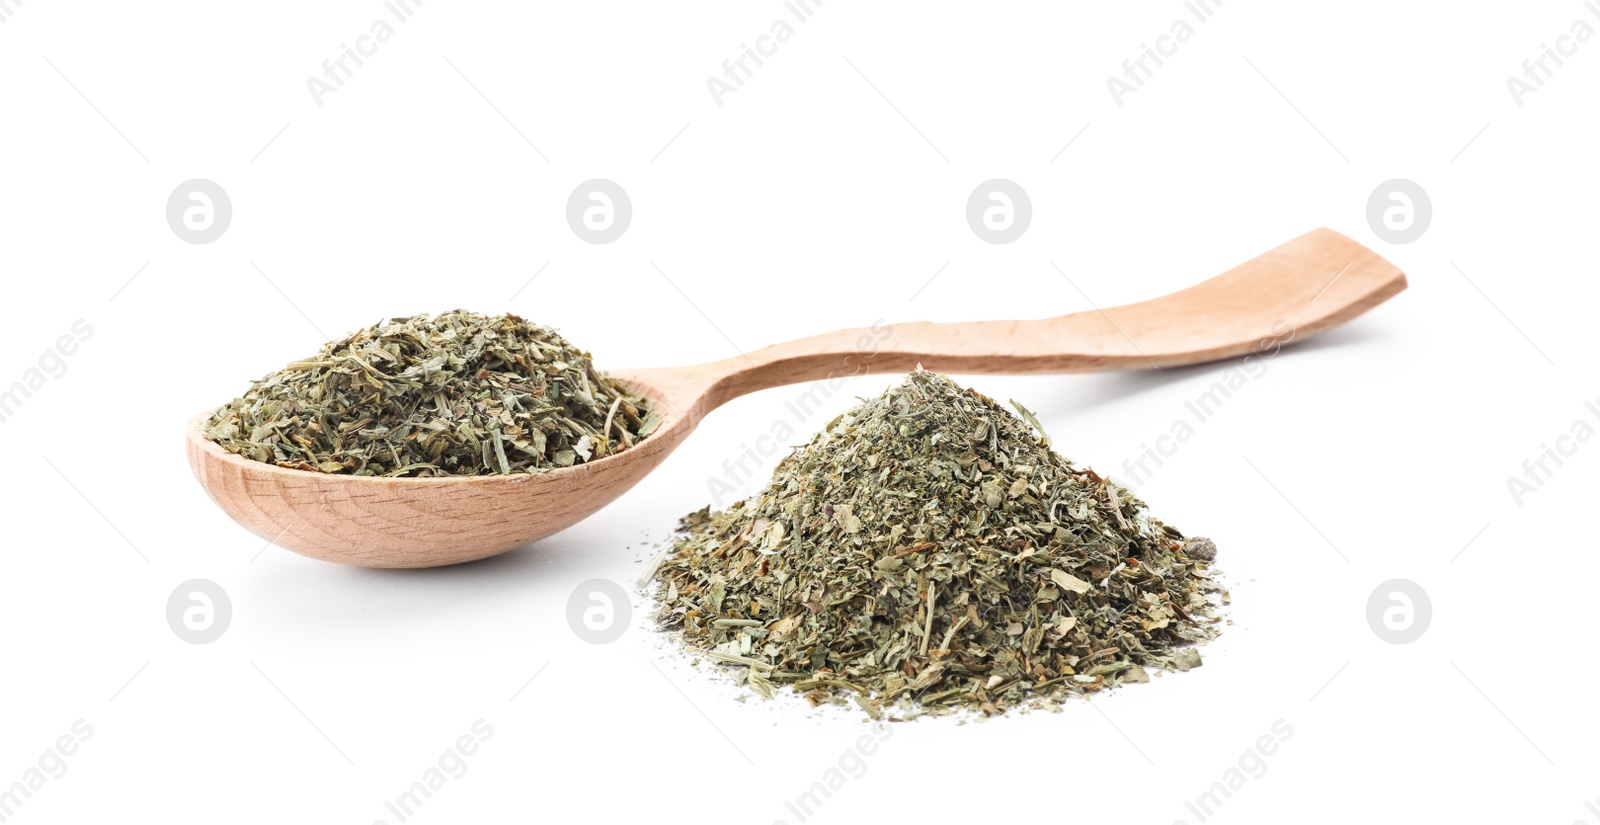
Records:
x=426, y=522
x=1310, y=284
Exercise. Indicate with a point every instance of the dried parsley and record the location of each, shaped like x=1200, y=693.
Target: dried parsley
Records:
x=929, y=550
x=455, y=394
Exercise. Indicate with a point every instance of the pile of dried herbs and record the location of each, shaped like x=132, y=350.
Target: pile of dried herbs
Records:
x=928, y=551
x=455, y=394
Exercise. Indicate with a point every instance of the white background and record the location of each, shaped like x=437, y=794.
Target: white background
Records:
x=805, y=203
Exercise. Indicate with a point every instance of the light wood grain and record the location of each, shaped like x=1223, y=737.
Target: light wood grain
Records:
x=1314, y=282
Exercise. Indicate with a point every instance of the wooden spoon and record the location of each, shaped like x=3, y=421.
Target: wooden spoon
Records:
x=1314, y=282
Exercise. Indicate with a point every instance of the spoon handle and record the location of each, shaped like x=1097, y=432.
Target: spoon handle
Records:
x=1310, y=284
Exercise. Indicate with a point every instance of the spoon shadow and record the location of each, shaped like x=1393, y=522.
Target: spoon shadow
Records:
x=357, y=598
x=1082, y=393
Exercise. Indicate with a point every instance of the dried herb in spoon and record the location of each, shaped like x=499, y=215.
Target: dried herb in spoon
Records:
x=455, y=394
